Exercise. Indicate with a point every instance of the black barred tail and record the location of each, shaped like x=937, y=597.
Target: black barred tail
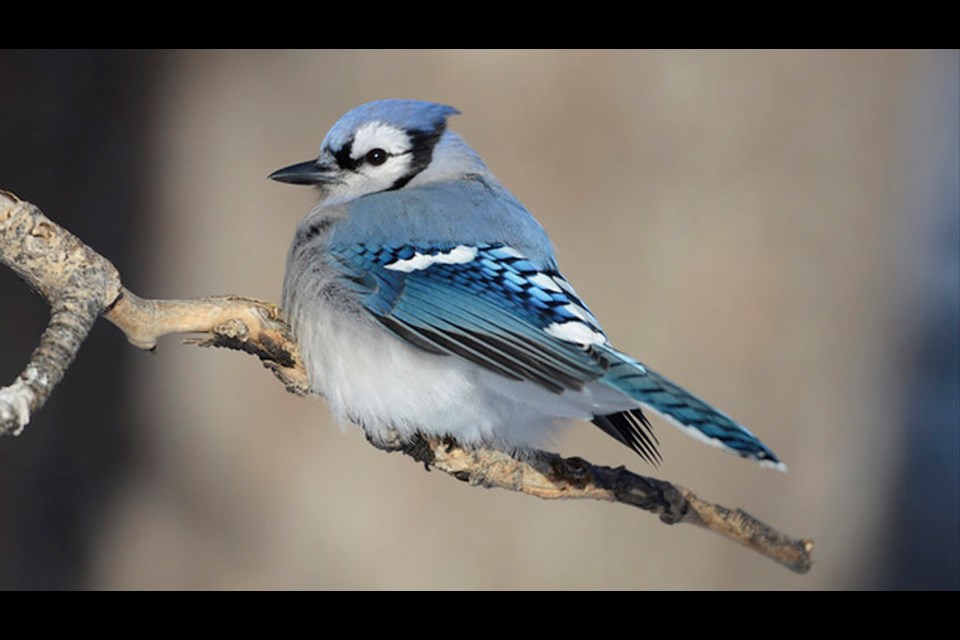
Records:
x=634, y=430
x=694, y=416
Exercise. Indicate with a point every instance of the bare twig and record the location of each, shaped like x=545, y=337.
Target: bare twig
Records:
x=80, y=284
x=552, y=477
x=243, y=324
x=76, y=281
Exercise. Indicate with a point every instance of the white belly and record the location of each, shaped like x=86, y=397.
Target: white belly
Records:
x=370, y=377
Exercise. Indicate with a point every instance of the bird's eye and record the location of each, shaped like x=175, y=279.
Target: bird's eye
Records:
x=376, y=157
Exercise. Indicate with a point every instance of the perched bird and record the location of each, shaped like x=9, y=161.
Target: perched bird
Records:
x=425, y=298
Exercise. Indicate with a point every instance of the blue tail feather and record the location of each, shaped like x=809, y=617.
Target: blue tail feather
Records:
x=693, y=415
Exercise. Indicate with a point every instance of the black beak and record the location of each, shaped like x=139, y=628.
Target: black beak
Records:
x=309, y=172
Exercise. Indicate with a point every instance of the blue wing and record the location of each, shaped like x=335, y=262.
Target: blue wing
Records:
x=495, y=309
x=489, y=304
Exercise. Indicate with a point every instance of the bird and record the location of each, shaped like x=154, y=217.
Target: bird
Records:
x=427, y=300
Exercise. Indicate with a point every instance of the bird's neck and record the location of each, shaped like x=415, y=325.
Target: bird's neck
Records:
x=452, y=159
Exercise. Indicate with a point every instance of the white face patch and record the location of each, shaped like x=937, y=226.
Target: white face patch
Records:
x=369, y=178
x=377, y=135
x=461, y=254
x=576, y=332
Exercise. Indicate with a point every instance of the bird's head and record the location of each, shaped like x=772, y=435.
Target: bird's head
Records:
x=382, y=146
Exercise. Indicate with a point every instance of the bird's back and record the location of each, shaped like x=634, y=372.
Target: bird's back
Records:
x=471, y=210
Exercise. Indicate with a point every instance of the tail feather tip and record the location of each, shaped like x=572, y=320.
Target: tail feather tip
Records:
x=773, y=463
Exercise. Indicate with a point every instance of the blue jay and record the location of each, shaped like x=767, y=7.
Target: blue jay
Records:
x=426, y=299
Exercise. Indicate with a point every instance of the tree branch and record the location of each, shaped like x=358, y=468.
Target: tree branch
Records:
x=80, y=285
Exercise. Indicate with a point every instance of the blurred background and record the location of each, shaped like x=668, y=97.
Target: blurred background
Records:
x=778, y=231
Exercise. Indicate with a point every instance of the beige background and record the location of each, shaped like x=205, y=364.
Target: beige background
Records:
x=737, y=220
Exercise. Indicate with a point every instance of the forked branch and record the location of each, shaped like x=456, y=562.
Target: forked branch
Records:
x=80, y=285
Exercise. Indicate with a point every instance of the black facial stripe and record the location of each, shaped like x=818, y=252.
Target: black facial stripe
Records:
x=421, y=153
x=342, y=156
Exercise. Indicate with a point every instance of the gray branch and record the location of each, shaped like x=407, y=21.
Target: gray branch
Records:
x=80, y=285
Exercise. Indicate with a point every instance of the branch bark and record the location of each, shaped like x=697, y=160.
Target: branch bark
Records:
x=80, y=285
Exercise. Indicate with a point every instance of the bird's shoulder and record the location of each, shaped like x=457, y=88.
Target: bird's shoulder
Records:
x=472, y=210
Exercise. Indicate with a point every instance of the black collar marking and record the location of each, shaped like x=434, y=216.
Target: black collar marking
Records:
x=422, y=153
